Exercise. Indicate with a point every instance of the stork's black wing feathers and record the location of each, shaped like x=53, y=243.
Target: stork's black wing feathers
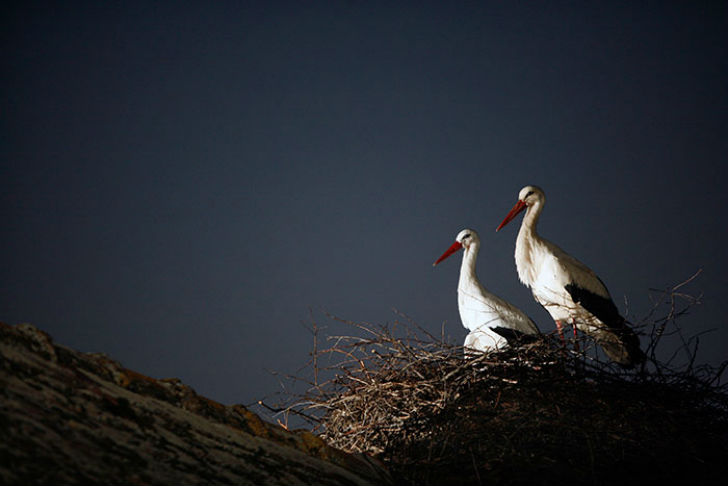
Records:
x=603, y=308
x=513, y=336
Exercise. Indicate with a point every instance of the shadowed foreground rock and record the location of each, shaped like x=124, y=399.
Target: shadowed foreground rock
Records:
x=71, y=417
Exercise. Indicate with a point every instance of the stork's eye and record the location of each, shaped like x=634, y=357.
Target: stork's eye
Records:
x=529, y=193
x=466, y=236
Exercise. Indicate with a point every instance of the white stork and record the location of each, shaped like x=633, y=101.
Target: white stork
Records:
x=569, y=290
x=493, y=323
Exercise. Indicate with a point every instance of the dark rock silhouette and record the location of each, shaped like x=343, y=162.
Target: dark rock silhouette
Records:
x=70, y=417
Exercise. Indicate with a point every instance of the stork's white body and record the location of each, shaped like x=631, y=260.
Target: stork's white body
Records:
x=569, y=290
x=547, y=270
x=485, y=315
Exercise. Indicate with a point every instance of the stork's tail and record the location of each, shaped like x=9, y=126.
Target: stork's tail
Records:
x=621, y=344
x=617, y=339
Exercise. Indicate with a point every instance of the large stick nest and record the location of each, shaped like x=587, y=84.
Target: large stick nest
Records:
x=537, y=413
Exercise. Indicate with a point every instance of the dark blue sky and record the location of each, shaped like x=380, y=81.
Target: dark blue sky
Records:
x=181, y=181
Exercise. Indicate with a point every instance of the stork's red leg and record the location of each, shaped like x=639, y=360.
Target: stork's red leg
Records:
x=576, y=342
x=560, y=328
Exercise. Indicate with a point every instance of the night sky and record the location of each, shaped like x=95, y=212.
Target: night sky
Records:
x=183, y=185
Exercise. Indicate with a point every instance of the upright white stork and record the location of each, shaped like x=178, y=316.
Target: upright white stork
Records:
x=493, y=322
x=569, y=290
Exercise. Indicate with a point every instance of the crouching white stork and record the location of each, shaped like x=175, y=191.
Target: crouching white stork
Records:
x=568, y=289
x=493, y=323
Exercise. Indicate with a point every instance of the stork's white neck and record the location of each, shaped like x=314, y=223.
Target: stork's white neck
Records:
x=526, y=243
x=467, y=267
x=530, y=219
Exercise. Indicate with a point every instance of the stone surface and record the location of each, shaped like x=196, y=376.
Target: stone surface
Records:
x=70, y=417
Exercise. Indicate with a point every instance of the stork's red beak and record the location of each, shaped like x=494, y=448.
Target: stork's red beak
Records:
x=453, y=248
x=520, y=206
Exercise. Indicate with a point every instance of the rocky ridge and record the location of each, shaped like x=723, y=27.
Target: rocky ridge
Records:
x=71, y=417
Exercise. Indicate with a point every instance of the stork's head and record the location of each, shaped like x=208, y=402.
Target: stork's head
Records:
x=528, y=197
x=465, y=239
